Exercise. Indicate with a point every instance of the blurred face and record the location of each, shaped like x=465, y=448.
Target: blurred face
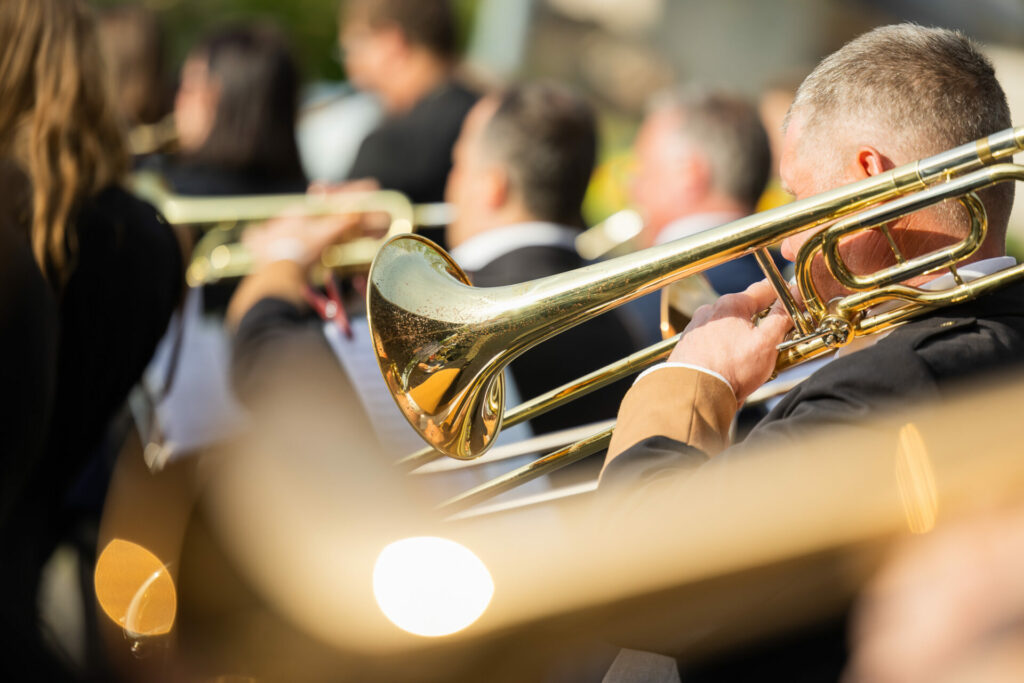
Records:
x=368, y=53
x=664, y=181
x=470, y=188
x=195, y=106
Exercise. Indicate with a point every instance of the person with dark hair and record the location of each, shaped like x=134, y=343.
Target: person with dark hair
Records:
x=404, y=51
x=235, y=113
x=521, y=167
x=113, y=266
x=133, y=43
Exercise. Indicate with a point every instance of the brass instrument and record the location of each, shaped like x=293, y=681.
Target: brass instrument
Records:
x=154, y=138
x=611, y=236
x=219, y=254
x=442, y=345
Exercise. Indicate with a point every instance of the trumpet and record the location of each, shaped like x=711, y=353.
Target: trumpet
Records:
x=442, y=345
x=219, y=253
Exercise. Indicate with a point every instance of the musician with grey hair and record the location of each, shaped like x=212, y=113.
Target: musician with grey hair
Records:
x=702, y=161
x=889, y=97
x=893, y=95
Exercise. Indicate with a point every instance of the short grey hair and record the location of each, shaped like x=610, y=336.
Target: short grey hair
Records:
x=925, y=89
x=728, y=131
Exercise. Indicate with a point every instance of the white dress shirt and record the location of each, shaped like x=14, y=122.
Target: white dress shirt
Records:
x=691, y=225
x=479, y=250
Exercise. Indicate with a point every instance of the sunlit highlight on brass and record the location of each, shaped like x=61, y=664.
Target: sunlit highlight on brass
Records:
x=219, y=253
x=915, y=479
x=135, y=589
x=431, y=586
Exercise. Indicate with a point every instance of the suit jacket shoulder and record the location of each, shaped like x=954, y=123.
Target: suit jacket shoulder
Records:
x=924, y=359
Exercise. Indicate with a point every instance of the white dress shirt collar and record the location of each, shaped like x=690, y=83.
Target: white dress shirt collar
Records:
x=691, y=225
x=972, y=271
x=479, y=250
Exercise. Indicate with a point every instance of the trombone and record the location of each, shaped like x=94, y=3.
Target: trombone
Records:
x=442, y=345
x=219, y=254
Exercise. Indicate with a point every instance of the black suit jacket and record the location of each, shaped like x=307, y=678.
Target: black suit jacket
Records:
x=568, y=355
x=412, y=152
x=923, y=360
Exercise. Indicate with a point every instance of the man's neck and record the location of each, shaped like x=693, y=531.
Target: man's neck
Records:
x=419, y=76
x=714, y=204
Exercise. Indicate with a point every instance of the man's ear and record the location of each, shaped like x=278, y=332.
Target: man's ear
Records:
x=870, y=162
x=698, y=169
x=495, y=187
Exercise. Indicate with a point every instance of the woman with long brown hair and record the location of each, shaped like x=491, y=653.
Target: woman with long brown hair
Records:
x=113, y=266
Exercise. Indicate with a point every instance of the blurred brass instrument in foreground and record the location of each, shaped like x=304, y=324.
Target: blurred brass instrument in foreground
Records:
x=442, y=345
x=220, y=254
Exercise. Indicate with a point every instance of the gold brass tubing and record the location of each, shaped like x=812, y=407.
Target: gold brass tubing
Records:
x=892, y=243
x=442, y=345
x=551, y=462
x=781, y=287
x=559, y=396
x=905, y=270
x=984, y=151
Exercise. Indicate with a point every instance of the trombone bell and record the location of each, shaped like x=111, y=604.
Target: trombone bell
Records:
x=415, y=351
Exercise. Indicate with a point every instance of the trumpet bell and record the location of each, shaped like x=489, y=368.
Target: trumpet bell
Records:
x=433, y=342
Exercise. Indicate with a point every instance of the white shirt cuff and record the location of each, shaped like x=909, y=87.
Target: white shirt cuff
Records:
x=676, y=364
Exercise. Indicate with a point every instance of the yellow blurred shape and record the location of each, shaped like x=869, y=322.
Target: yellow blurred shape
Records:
x=430, y=391
x=431, y=586
x=134, y=589
x=915, y=479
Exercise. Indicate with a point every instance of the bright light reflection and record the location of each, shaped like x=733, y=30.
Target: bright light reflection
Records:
x=431, y=586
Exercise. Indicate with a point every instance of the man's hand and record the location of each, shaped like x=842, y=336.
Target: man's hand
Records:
x=724, y=338
x=348, y=186
x=299, y=239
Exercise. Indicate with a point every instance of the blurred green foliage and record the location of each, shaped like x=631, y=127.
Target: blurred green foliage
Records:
x=311, y=25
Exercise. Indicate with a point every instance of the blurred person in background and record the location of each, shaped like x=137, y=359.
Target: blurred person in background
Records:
x=773, y=105
x=133, y=44
x=235, y=115
x=404, y=52
x=702, y=161
x=521, y=167
x=115, y=270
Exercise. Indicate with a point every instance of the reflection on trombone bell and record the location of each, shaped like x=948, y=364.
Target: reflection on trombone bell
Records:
x=134, y=589
x=220, y=253
x=446, y=377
